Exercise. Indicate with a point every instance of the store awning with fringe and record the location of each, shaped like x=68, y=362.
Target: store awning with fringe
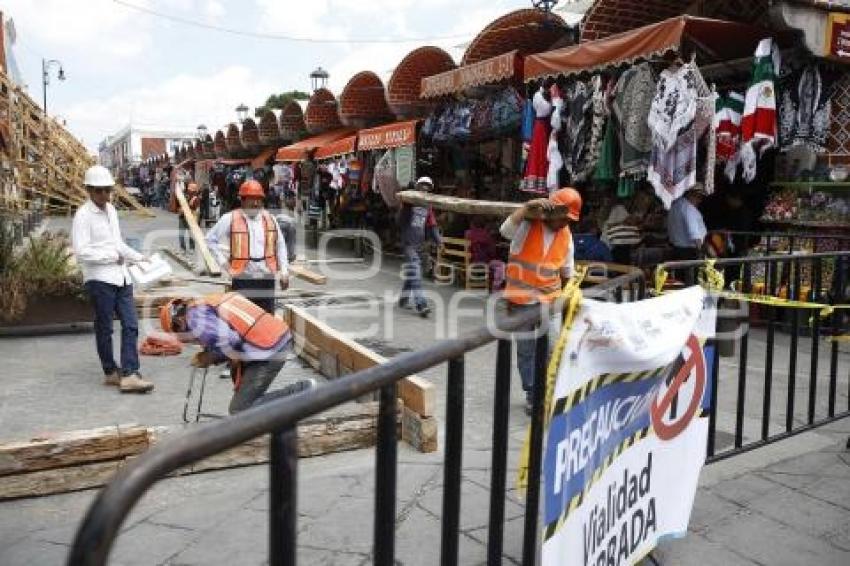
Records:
x=340, y=147
x=300, y=150
x=397, y=134
x=493, y=70
x=261, y=159
x=717, y=40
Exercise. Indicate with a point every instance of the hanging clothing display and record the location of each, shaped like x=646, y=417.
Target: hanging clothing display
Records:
x=727, y=128
x=672, y=121
x=385, y=181
x=404, y=165
x=758, y=123
x=579, y=105
x=632, y=101
x=537, y=165
x=606, y=166
x=805, y=109
x=553, y=153
x=597, y=126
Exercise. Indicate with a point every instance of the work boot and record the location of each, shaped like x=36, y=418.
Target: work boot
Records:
x=134, y=383
x=423, y=311
x=112, y=378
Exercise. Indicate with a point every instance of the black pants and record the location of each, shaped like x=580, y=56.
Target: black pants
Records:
x=182, y=228
x=686, y=254
x=258, y=291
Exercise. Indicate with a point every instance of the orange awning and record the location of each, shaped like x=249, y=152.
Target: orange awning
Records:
x=385, y=137
x=261, y=159
x=505, y=66
x=339, y=147
x=718, y=40
x=233, y=161
x=300, y=150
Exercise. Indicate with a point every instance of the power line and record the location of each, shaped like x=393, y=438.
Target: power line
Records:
x=282, y=37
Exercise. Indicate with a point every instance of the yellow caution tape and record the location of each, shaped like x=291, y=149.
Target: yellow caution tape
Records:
x=571, y=295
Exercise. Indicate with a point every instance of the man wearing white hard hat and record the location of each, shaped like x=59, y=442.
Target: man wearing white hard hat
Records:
x=417, y=224
x=103, y=257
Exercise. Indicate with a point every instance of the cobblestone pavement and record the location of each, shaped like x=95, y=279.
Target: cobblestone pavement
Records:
x=786, y=504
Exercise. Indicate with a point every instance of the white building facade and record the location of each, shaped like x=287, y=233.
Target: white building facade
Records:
x=134, y=143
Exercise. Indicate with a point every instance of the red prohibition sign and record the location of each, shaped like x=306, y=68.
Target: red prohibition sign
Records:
x=659, y=407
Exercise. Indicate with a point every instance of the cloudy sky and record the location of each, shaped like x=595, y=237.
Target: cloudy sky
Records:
x=123, y=64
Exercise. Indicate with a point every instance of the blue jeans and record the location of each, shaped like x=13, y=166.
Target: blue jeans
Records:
x=109, y=300
x=526, y=350
x=411, y=274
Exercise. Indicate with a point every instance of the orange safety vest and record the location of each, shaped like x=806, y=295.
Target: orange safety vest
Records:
x=240, y=242
x=532, y=275
x=254, y=325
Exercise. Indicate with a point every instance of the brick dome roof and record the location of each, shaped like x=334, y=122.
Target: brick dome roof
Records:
x=609, y=17
x=405, y=84
x=322, y=112
x=363, y=101
x=526, y=30
x=291, y=121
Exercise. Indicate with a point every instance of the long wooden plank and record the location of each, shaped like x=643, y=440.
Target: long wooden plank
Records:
x=471, y=206
x=308, y=275
x=60, y=480
x=197, y=234
x=417, y=393
x=74, y=447
x=134, y=204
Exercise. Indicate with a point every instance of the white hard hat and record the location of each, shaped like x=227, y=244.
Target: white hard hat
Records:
x=98, y=176
x=425, y=181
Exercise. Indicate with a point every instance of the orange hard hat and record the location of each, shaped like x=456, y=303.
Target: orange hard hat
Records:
x=570, y=198
x=167, y=313
x=251, y=188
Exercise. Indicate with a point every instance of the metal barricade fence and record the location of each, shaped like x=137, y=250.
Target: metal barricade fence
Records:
x=279, y=418
x=792, y=337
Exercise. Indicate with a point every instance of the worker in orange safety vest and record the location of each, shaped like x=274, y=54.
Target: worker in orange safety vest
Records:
x=248, y=240
x=540, y=262
x=232, y=328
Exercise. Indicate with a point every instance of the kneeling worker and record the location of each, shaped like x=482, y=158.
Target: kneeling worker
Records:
x=232, y=328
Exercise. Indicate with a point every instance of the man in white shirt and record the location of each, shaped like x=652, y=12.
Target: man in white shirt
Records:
x=686, y=230
x=103, y=257
x=249, y=243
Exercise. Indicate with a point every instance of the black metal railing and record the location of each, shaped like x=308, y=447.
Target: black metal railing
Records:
x=776, y=242
x=97, y=533
x=821, y=278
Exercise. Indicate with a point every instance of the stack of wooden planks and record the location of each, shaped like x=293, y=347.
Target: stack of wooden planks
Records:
x=334, y=355
x=84, y=459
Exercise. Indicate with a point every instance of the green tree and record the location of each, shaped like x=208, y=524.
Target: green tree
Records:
x=280, y=100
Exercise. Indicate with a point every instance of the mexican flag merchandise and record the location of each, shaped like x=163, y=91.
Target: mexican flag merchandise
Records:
x=727, y=127
x=758, y=123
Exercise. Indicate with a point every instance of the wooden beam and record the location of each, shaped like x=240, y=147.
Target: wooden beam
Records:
x=197, y=234
x=474, y=207
x=308, y=275
x=74, y=447
x=417, y=393
x=122, y=194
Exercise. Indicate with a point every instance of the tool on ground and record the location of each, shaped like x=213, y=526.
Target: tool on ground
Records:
x=199, y=412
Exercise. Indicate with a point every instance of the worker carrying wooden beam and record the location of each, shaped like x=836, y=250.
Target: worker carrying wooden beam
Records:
x=249, y=242
x=231, y=328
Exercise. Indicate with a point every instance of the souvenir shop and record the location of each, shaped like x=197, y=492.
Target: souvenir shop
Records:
x=469, y=144
x=738, y=113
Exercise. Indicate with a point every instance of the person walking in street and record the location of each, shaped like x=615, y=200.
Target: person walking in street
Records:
x=418, y=225
x=231, y=328
x=540, y=262
x=249, y=241
x=194, y=201
x=103, y=257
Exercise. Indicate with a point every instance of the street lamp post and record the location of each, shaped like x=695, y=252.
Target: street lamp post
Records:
x=319, y=78
x=242, y=113
x=45, y=78
x=202, y=132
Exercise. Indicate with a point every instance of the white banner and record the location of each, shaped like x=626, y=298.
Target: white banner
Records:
x=627, y=439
